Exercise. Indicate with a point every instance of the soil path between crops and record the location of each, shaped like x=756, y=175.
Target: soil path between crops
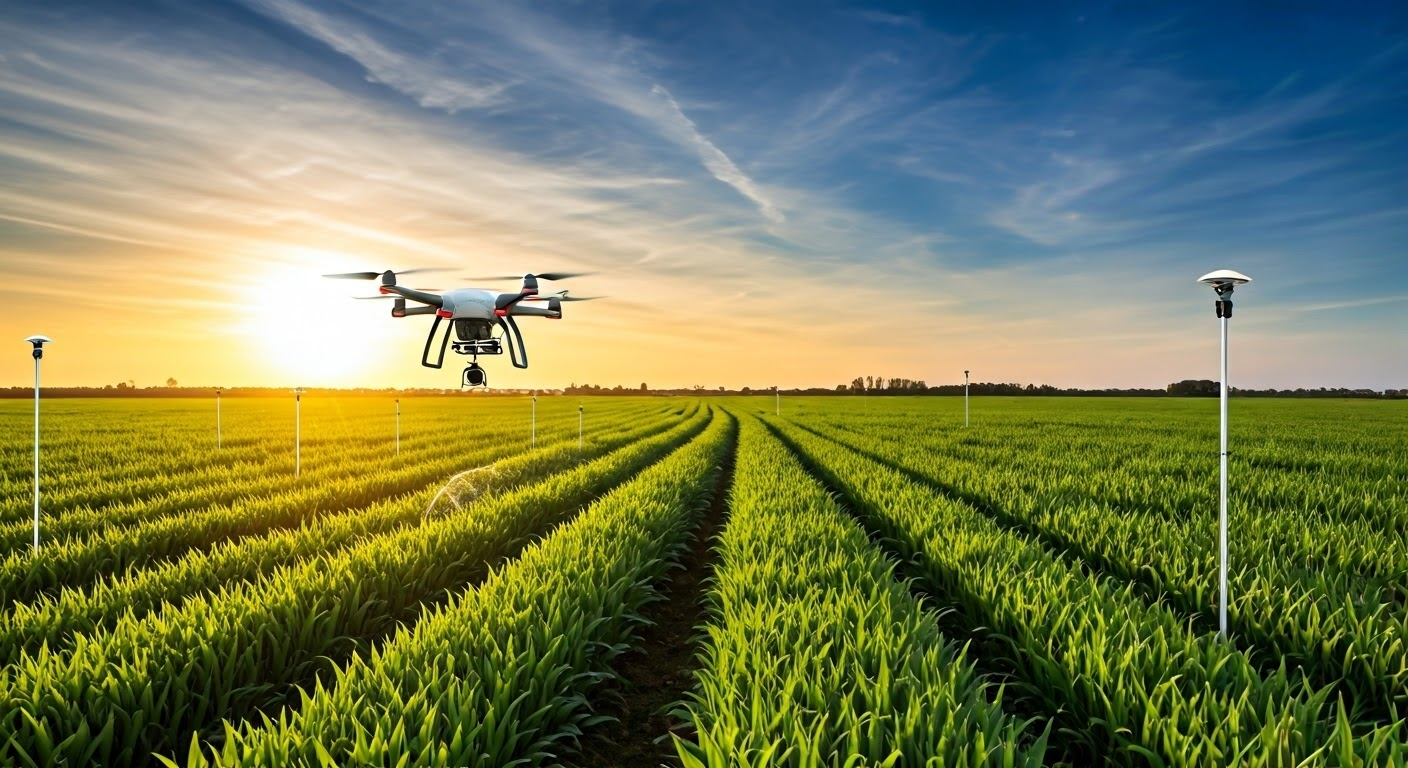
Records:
x=658, y=669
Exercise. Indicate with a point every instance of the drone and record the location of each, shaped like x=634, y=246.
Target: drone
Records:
x=483, y=320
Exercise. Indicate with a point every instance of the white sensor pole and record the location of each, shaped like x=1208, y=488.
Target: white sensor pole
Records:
x=965, y=398
x=219, y=439
x=579, y=429
x=298, y=431
x=533, y=435
x=1222, y=505
x=1222, y=282
x=398, y=426
x=777, y=409
x=38, y=343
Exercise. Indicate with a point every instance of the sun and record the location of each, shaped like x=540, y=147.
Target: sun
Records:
x=306, y=327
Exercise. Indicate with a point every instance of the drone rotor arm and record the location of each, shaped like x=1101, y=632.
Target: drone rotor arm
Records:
x=525, y=310
x=424, y=297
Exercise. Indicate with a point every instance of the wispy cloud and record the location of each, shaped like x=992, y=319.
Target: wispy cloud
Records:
x=603, y=66
x=714, y=158
x=433, y=86
x=1355, y=304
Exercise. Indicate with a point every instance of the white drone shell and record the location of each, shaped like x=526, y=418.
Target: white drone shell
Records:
x=1224, y=277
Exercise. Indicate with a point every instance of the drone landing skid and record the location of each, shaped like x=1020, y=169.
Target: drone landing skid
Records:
x=473, y=374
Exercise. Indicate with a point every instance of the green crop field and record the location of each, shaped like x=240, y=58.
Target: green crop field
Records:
x=703, y=582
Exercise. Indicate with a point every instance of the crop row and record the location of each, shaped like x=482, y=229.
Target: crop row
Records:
x=135, y=455
x=53, y=620
x=1300, y=591
x=499, y=676
x=219, y=477
x=1172, y=461
x=95, y=438
x=146, y=685
x=1124, y=679
x=24, y=575
x=101, y=510
x=817, y=655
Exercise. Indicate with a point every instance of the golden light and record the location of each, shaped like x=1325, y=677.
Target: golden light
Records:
x=309, y=327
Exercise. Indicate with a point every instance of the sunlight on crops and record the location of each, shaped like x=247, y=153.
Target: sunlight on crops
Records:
x=878, y=584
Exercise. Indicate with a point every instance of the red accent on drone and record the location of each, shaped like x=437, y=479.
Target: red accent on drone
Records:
x=442, y=312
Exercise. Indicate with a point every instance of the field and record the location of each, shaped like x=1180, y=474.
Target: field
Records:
x=858, y=582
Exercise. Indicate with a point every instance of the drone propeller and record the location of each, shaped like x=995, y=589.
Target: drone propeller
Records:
x=375, y=275
x=541, y=276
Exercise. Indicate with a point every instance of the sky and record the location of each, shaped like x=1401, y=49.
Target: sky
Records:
x=787, y=194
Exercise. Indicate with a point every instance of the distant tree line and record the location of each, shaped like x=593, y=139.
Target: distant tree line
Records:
x=1206, y=388
x=861, y=385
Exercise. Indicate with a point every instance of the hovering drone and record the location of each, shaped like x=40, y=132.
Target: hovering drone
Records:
x=475, y=314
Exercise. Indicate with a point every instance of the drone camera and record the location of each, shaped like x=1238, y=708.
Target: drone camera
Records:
x=474, y=376
x=472, y=329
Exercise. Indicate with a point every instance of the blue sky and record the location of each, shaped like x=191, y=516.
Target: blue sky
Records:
x=794, y=193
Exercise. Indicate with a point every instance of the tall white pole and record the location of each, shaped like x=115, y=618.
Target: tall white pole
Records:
x=965, y=398
x=777, y=408
x=219, y=439
x=36, y=451
x=579, y=429
x=1223, y=282
x=533, y=436
x=1222, y=514
x=398, y=426
x=298, y=432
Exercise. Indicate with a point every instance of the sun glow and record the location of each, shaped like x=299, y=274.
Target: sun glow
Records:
x=309, y=327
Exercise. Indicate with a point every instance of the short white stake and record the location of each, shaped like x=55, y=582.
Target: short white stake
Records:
x=298, y=432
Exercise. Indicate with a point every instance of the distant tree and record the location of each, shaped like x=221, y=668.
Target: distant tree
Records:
x=643, y=388
x=1194, y=388
x=122, y=385
x=170, y=382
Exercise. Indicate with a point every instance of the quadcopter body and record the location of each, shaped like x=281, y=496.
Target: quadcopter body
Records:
x=482, y=321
